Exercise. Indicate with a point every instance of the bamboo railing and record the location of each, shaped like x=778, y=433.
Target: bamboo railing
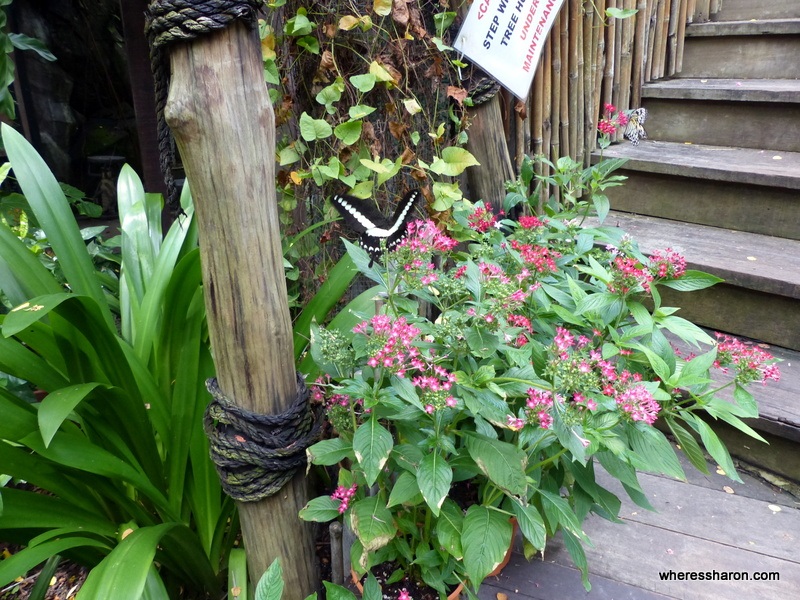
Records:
x=590, y=60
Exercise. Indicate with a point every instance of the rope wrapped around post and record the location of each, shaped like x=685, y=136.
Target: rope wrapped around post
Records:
x=168, y=21
x=255, y=454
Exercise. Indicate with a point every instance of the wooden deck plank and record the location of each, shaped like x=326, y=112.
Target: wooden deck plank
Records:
x=718, y=163
x=699, y=527
x=788, y=26
x=731, y=90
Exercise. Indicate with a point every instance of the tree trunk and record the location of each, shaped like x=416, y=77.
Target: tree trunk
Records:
x=224, y=126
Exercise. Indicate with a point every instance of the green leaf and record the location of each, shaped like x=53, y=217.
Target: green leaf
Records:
x=321, y=510
x=54, y=214
x=653, y=452
x=434, y=479
x=503, y=463
x=58, y=405
x=337, y=592
x=270, y=586
x=364, y=83
x=349, y=132
x=691, y=281
x=372, y=444
x=560, y=513
x=696, y=371
x=405, y=490
x=621, y=13
x=372, y=522
x=530, y=523
x=122, y=574
x=359, y=111
x=449, y=527
x=715, y=447
x=23, y=42
x=372, y=589
x=578, y=556
x=482, y=342
x=329, y=452
x=689, y=446
x=314, y=129
x=486, y=538
x=18, y=564
x=453, y=162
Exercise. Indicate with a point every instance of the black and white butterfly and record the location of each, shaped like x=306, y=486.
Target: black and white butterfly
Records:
x=634, y=130
x=372, y=226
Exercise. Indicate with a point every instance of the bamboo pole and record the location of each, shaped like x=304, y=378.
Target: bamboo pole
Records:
x=536, y=108
x=610, y=57
x=589, y=57
x=682, y=19
x=598, y=64
x=556, y=148
x=672, y=36
x=574, y=70
x=702, y=10
x=222, y=117
x=548, y=90
x=564, y=83
x=580, y=84
x=650, y=72
x=714, y=7
x=691, y=9
x=626, y=56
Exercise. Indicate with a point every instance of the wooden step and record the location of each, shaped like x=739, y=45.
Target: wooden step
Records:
x=758, y=113
x=725, y=90
x=773, y=126
x=744, y=27
x=760, y=297
x=743, y=49
x=708, y=185
x=743, y=10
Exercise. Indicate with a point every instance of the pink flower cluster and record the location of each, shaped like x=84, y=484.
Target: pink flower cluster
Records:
x=344, y=495
x=538, y=257
x=482, y=219
x=404, y=595
x=667, y=264
x=750, y=362
x=531, y=222
x=609, y=123
x=423, y=238
x=391, y=344
x=639, y=403
x=628, y=273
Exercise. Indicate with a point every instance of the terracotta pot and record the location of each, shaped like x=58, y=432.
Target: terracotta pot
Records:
x=507, y=557
x=452, y=596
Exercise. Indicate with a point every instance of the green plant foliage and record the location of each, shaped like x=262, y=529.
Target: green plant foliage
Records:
x=118, y=440
x=8, y=42
x=545, y=356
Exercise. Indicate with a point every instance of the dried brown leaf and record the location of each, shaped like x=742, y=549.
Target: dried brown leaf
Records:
x=458, y=94
x=400, y=12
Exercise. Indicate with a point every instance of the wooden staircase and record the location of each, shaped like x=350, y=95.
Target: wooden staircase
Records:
x=719, y=180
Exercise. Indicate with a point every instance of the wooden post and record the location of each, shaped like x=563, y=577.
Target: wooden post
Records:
x=224, y=126
x=487, y=143
x=144, y=104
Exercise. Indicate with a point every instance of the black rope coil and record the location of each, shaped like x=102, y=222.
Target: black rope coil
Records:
x=168, y=21
x=255, y=455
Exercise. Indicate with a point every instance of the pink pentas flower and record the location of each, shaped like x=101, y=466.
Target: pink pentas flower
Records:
x=667, y=264
x=404, y=595
x=563, y=339
x=750, y=362
x=482, y=219
x=530, y=222
x=344, y=495
x=638, y=403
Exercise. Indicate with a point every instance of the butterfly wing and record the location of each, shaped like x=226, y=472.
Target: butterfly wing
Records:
x=402, y=216
x=372, y=225
x=359, y=216
x=634, y=130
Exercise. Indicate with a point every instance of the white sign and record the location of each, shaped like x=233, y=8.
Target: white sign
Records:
x=506, y=37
